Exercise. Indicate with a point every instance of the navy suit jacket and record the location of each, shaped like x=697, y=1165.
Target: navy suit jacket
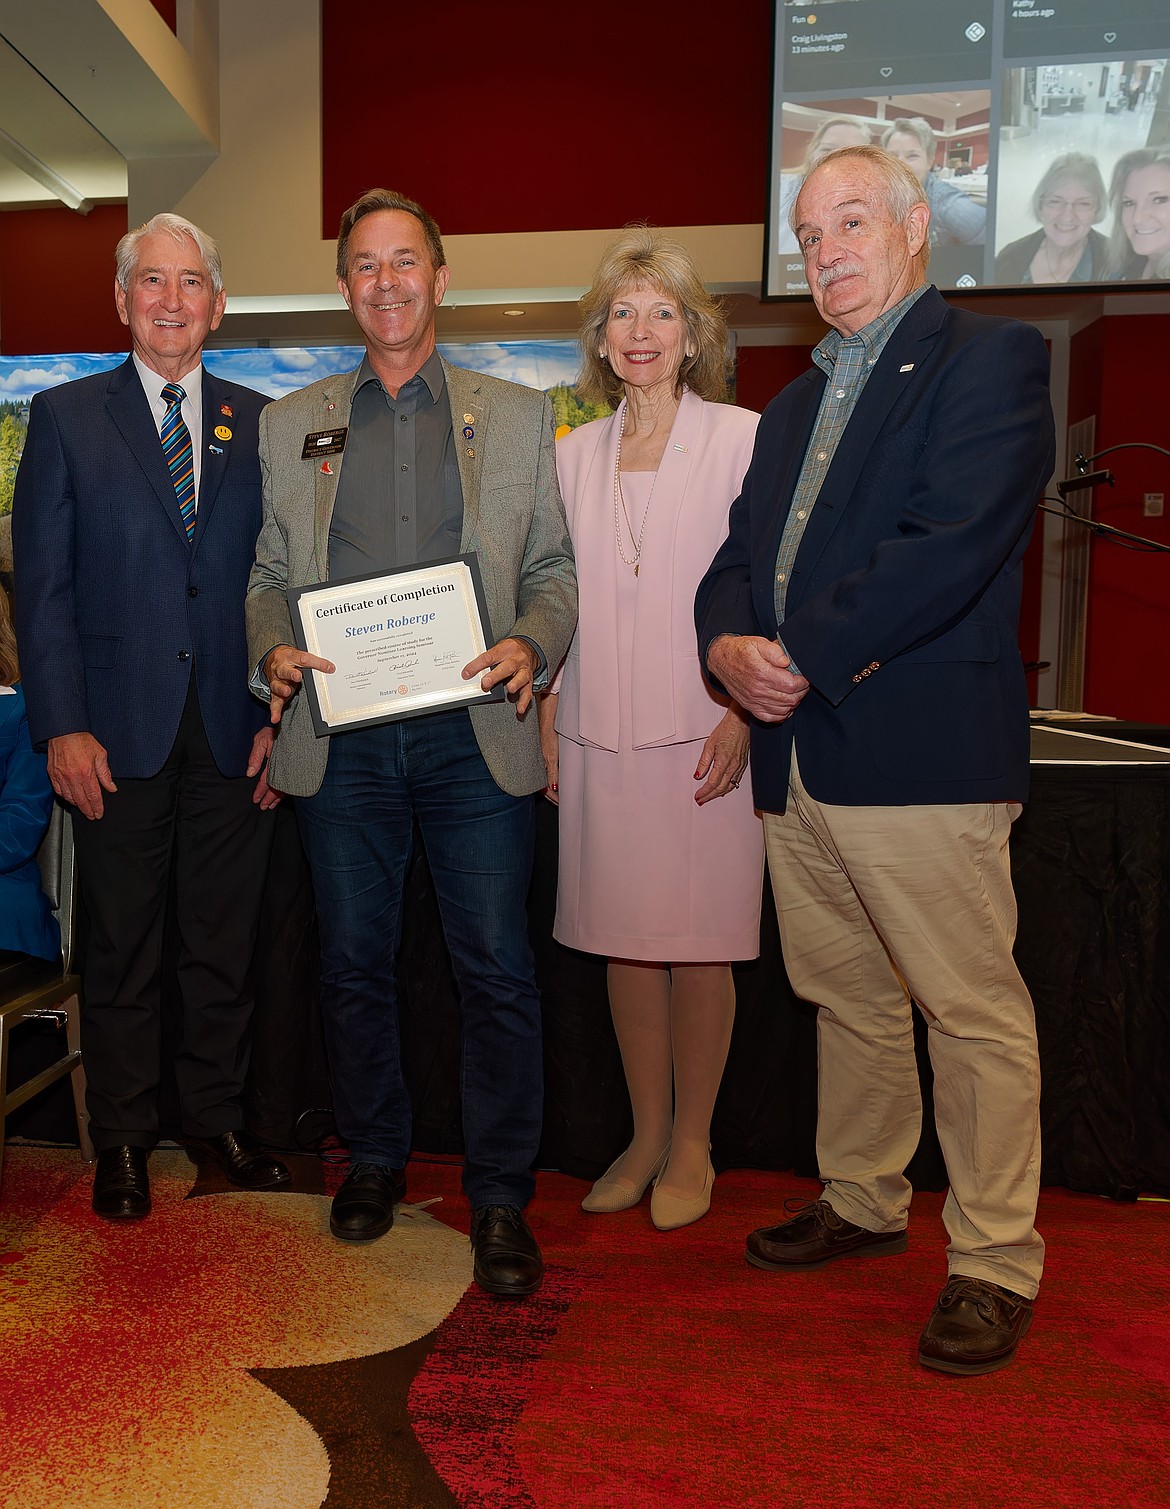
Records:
x=903, y=602
x=113, y=604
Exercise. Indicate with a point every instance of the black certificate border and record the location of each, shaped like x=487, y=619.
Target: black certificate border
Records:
x=321, y=728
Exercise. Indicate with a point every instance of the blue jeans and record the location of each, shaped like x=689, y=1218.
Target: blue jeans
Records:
x=357, y=833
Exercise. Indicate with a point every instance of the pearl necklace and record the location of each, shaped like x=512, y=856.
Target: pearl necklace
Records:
x=620, y=511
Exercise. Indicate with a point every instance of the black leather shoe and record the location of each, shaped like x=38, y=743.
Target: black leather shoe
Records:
x=121, y=1186
x=816, y=1235
x=242, y=1160
x=975, y=1328
x=507, y=1259
x=363, y=1208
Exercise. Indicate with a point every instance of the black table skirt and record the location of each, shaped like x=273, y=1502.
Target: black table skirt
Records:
x=1091, y=861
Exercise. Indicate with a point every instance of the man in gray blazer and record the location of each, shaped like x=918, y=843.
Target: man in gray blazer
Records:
x=433, y=462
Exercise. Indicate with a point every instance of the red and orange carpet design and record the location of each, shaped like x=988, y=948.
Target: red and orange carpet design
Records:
x=227, y=1352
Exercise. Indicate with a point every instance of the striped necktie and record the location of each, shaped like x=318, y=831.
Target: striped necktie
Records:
x=176, y=444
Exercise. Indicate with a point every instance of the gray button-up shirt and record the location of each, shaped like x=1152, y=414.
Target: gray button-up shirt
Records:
x=847, y=361
x=399, y=499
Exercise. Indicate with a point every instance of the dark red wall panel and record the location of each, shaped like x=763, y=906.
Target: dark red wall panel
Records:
x=1129, y=593
x=57, y=281
x=761, y=371
x=166, y=9
x=534, y=117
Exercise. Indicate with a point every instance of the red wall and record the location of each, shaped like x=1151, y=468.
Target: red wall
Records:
x=57, y=280
x=1120, y=376
x=761, y=371
x=535, y=117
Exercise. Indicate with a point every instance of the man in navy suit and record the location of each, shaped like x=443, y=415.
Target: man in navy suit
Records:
x=864, y=608
x=135, y=518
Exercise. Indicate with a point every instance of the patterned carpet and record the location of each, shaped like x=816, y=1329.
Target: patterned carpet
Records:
x=228, y=1352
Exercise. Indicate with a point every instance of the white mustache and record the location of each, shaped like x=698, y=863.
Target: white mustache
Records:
x=831, y=274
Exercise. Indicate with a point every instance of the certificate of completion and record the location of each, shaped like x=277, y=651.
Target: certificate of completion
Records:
x=398, y=640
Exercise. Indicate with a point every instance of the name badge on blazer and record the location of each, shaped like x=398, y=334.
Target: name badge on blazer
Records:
x=325, y=443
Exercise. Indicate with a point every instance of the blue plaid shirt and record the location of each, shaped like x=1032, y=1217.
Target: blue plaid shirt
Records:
x=847, y=361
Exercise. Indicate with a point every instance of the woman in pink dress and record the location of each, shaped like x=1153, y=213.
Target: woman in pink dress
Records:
x=661, y=852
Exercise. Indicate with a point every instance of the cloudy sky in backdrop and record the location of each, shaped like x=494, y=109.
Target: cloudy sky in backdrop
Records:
x=278, y=370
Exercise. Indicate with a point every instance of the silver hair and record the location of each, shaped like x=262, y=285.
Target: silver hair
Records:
x=169, y=225
x=900, y=188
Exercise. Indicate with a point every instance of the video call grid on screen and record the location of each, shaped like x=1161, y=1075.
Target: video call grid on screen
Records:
x=1000, y=94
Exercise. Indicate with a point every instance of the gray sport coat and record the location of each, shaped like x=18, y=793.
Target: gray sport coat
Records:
x=513, y=520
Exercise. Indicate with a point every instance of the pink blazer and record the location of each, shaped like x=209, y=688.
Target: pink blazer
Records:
x=699, y=477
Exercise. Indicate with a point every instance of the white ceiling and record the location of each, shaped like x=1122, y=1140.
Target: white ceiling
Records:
x=41, y=129
x=90, y=89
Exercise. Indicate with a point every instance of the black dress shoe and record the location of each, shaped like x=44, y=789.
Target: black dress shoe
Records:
x=363, y=1208
x=121, y=1187
x=242, y=1160
x=816, y=1235
x=507, y=1259
x=975, y=1328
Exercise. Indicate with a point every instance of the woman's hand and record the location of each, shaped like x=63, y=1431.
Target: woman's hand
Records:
x=725, y=756
x=550, y=743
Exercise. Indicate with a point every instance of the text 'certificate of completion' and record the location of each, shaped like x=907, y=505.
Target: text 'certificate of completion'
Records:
x=398, y=640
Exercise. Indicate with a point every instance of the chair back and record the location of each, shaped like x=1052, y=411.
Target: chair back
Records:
x=58, y=877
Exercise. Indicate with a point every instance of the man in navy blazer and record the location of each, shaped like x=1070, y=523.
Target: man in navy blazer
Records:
x=864, y=609
x=131, y=565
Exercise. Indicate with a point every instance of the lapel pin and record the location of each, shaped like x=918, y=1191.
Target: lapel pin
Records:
x=226, y=410
x=468, y=432
x=331, y=407
x=909, y=367
x=326, y=469
x=681, y=448
x=217, y=449
x=471, y=452
x=469, y=419
x=222, y=432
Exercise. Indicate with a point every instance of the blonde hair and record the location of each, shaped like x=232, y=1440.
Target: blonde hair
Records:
x=1121, y=249
x=9, y=667
x=642, y=257
x=914, y=126
x=818, y=136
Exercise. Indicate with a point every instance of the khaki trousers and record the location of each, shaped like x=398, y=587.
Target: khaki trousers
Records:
x=878, y=905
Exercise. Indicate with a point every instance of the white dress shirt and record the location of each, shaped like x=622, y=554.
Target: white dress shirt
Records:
x=192, y=408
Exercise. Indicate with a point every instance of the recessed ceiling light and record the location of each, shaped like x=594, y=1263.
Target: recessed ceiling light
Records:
x=513, y=313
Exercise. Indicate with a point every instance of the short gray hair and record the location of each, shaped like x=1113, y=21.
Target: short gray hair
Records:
x=1077, y=167
x=176, y=227
x=901, y=189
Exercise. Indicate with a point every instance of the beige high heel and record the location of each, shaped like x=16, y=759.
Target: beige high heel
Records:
x=609, y=1195
x=669, y=1212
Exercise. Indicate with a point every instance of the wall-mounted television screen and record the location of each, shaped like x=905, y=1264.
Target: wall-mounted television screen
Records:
x=1040, y=130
